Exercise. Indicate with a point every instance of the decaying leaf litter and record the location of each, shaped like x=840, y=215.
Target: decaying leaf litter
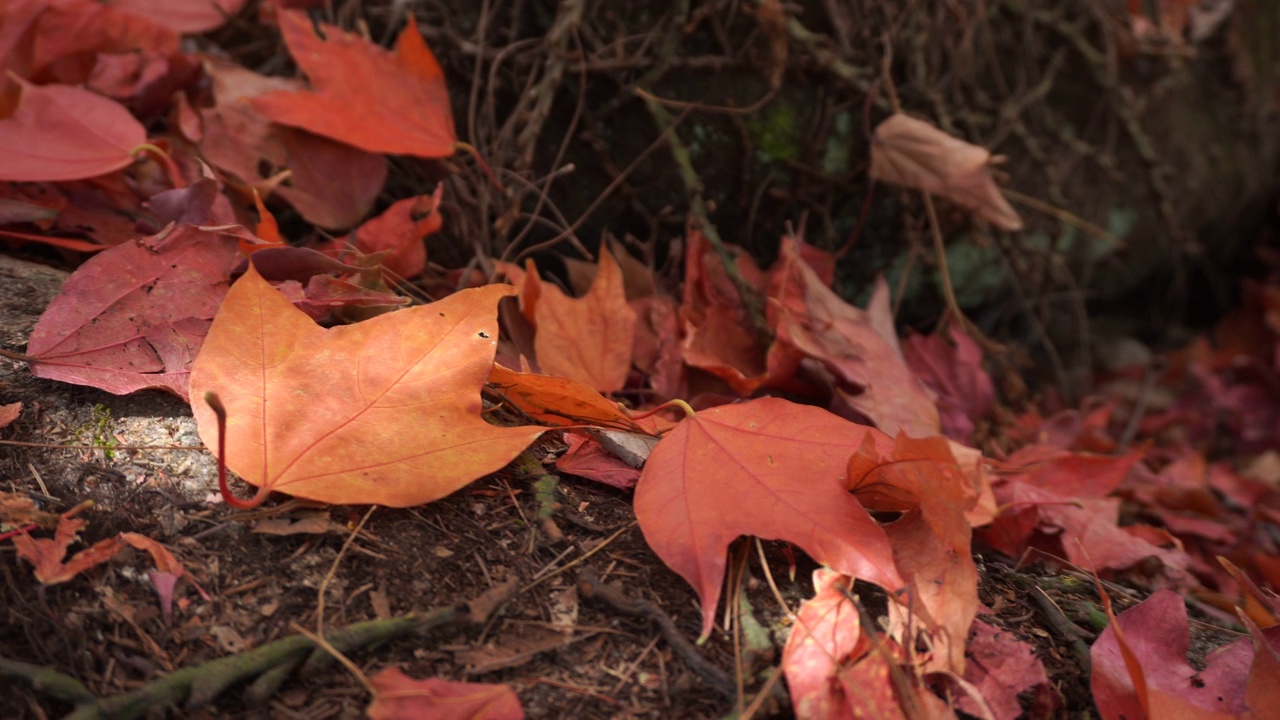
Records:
x=771, y=378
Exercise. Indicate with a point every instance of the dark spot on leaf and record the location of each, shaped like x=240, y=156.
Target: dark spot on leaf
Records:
x=484, y=335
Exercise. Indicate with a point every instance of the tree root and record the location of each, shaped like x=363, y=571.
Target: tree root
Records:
x=196, y=686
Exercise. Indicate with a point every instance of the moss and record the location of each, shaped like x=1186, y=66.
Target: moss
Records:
x=99, y=430
x=776, y=133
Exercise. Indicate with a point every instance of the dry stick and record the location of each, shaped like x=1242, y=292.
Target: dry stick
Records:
x=1058, y=622
x=698, y=208
x=604, y=195
x=333, y=569
x=578, y=561
x=630, y=670
x=723, y=109
x=567, y=22
x=765, y=691
x=768, y=576
x=591, y=586
x=902, y=685
x=337, y=655
x=564, y=231
x=54, y=446
x=1064, y=216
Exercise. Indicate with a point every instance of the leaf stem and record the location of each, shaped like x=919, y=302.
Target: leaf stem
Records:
x=165, y=160
x=672, y=403
x=18, y=356
x=235, y=502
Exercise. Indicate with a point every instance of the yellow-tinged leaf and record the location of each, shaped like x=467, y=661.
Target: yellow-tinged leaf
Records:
x=386, y=411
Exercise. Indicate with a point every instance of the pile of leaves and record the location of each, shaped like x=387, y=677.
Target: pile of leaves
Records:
x=758, y=401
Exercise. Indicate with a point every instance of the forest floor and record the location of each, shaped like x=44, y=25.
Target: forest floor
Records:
x=527, y=614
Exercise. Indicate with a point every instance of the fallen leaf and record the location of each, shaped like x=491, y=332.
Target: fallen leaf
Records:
x=637, y=277
x=19, y=510
x=915, y=154
x=330, y=184
x=400, y=697
x=561, y=401
x=656, y=350
x=47, y=554
x=587, y=338
x=953, y=371
x=401, y=230
x=920, y=479
x=853, y=344
x=65, y=243
x=1001, y=667
x=286, y=262
x=1262, y=691
x=1153, y=636
x=386, y=411
x=200, y=203
x=363, y=95
x=184, y=16
x=1085, y=531
x=1070, y=474
x=715, y=329
x=768, y=468
x=59, y=132
x=9, y=413
x=325, y=295
x=587, y=458
x=143, y=81
x=167, y=573
x=836, y=672
x=59, y=42
x=135, y=315
x=827, y=635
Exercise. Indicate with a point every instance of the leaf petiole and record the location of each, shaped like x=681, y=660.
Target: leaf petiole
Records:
x=218, y=409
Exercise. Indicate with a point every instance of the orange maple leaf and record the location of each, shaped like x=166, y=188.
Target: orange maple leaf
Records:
x=921, y=479
x=560, y=400
x=588, y=338
x=386, y=411
x=330, y=183
x=363, y=95
x=769, y=468
x=400, y=230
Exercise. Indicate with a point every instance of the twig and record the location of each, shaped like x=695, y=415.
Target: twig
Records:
x=590, y=586
x=750, y=295
x=333, y=570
